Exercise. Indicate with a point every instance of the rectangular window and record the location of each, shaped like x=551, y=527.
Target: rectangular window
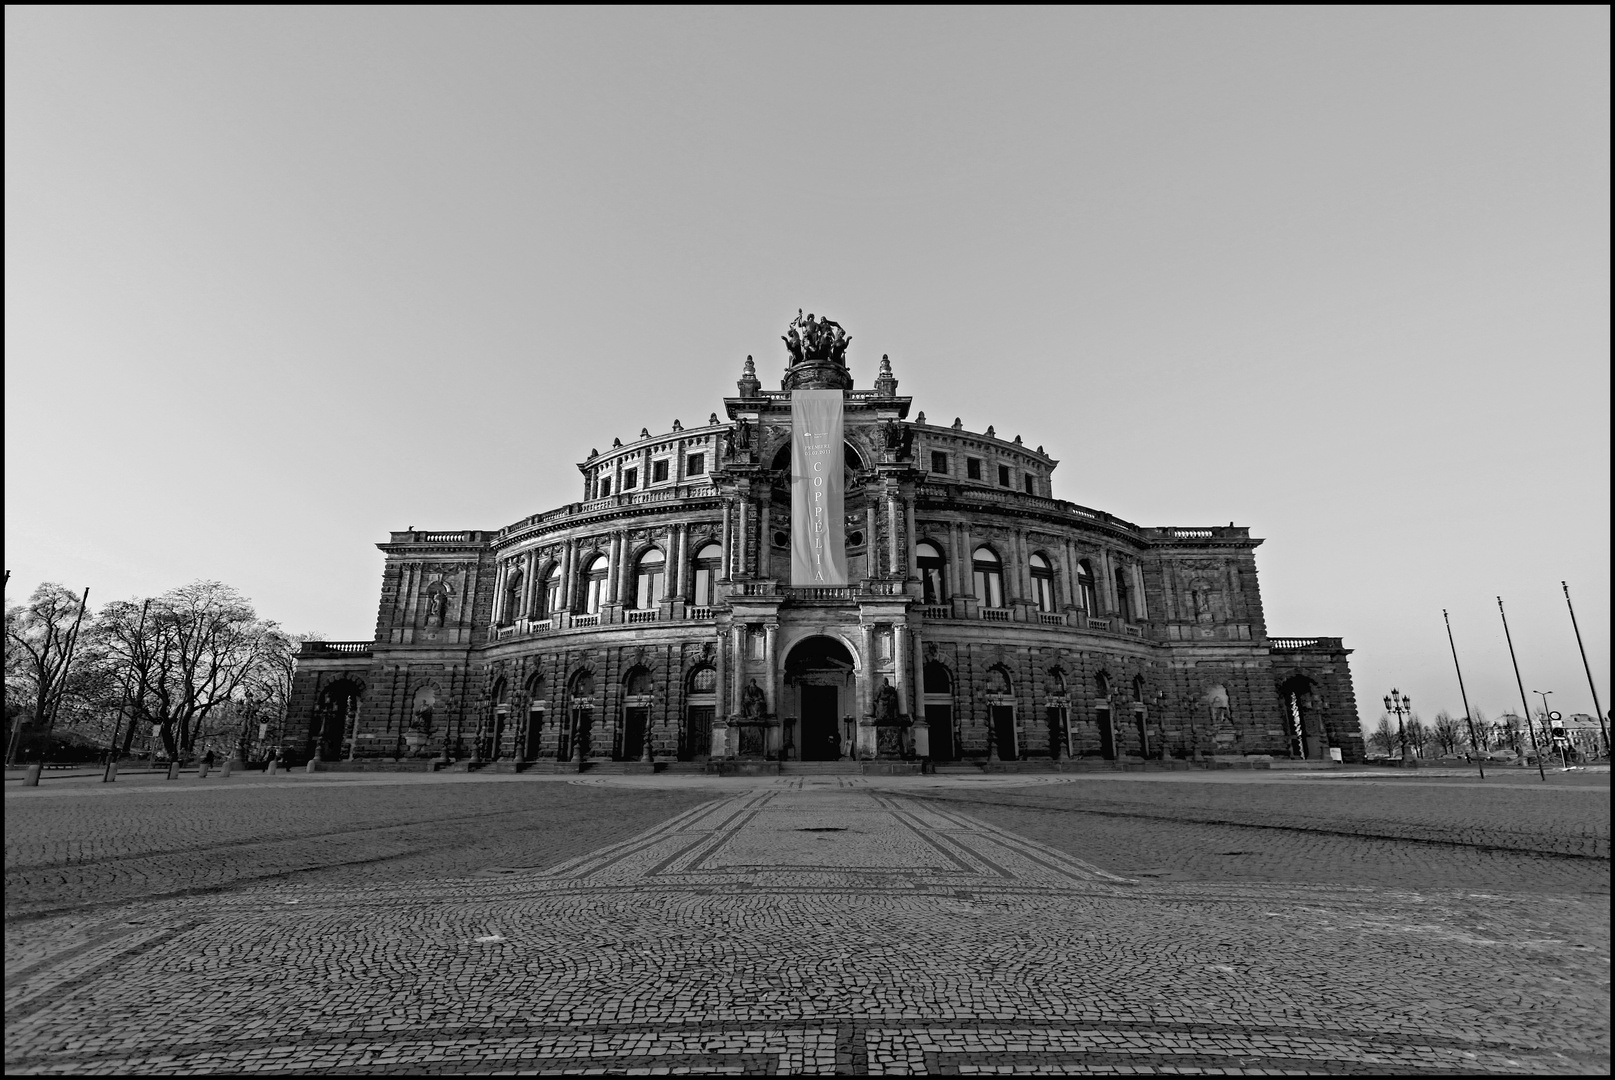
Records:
x=658, y=471
x=630, y=478
x=939, y=461
x=1003, y=476
x=695, y=464
x=973, y=468
x=1027, y=479
x=605, y=486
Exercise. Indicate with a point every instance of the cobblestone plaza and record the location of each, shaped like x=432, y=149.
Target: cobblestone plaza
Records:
x=826, y=923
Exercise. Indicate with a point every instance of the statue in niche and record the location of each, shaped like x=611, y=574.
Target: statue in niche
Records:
x=886, y=703
x=1216, y=700
x=437, y=606
x=753, y=702
x=1200, y=596
x=737, y=440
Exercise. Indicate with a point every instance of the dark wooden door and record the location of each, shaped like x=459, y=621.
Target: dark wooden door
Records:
x=698, y=733
x=820, y=739
x=1004, y=731
x=633, y=736
x=940, y=717
x=535, y=733
x=1107, y=736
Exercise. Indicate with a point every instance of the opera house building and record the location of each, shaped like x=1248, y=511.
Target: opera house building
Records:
x=820, y=574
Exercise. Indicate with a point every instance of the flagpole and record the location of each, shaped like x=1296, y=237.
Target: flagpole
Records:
x=1597, y=708
x=1523, y=701
x=1470, y=720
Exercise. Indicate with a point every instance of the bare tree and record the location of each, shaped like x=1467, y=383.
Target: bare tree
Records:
x=1482, y=728
x=40, y=657
x=1449, y=732
x=199, y=648
x=1419, y=735
x=1383, y=738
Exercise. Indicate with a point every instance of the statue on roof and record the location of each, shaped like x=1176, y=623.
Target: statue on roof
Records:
x=811, y=338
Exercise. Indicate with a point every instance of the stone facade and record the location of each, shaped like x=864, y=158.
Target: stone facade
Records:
x=986, y=620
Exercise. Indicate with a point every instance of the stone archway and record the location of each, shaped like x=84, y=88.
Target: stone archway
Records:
x=820, y=691
x=1304, y=734
x=335, y=718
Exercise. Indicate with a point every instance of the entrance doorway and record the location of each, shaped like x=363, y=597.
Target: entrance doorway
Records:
x=939, y=711
x=1004, y=731
x=1107, y=735
x=819, y=671
x=535, y=732
x=940, y=717
x=821, y=740
x=633, y=733
x=695, y=740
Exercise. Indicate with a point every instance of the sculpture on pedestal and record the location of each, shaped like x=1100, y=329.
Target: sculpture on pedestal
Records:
x=809, y=339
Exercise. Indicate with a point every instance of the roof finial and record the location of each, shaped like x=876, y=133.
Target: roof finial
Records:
x=748, y=383
x=886, y=383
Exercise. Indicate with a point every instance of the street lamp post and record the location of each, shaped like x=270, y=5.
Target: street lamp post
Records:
x=1400, y=705
x=1548, y=718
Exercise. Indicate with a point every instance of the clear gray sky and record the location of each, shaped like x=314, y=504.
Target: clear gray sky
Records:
x=280, y=280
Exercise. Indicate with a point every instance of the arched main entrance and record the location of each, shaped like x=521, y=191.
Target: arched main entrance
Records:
x=819, y=682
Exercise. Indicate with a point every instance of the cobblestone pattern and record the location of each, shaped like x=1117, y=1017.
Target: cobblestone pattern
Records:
x=1495, y=836
x=82, y=843
x=816, y=927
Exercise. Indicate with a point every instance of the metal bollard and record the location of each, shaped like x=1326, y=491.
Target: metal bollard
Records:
x=30, y=776
x=173, y=770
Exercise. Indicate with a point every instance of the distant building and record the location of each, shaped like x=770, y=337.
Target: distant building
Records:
x=1585, y=734
x=983, y=619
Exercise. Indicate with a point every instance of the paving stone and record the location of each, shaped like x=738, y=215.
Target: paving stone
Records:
x=868, y=925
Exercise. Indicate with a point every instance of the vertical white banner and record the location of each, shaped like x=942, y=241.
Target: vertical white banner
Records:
x=818, y=548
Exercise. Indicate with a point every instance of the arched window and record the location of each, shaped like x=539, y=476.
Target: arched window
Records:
x=704, y=680
x=1056, y=681
x=998, y=682
x=596, y=584
x=1138, y=688
x=989, y=578
x=1042, y=583
x=1124, y=595
x=649, y=578
x=933, y=572
x=549, y=596
x=708, y=561
x=638, y=683
x=937, y=679
x=1085, y=593
x=513, y=598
